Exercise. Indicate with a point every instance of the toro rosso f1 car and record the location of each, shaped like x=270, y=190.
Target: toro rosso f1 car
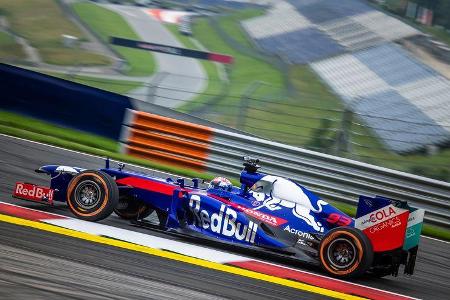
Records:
x=266, y=212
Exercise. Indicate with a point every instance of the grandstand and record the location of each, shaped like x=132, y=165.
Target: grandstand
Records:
x=217, y=4
x=319, y=11
x=285, y=32
x=384, y=84
x=288, y=45
x=344, y=24
x=350, y=46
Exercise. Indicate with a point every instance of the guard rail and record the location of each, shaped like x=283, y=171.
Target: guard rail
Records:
x=203, y=148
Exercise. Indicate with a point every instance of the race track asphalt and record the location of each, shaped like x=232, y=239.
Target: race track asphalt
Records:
x=39, y=265
x=180, y=78
x=49, y=266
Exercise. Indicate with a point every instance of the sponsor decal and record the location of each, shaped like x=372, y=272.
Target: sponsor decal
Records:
x=225, y=59
x=272, y=220
x=159, y=48
x=269, y=219
x=256, y=203
x=280, y=193
x=33, y=192
x=378, y=216
x=391, y=223
x=299, y=233
x=385, y=227
x=223, y=222
x=340, y=220
x=410, y=233
x=416, y=217
x=302, y=209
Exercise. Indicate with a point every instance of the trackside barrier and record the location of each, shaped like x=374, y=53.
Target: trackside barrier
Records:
x=207, y=149
x=61, y=101
x=166, y=140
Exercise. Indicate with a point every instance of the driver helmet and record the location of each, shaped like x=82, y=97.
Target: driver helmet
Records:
x=221, y=183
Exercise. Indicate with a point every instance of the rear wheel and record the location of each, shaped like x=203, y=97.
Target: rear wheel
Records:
x=130, y=209
x=92, y=195
x=345, y=252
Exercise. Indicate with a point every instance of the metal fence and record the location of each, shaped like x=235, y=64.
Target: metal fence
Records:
x=331, y=177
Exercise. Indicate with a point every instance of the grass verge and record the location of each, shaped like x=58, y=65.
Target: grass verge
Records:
x=107, y=23
x=40, y=131
x=9, y=49
x=115, y=86
x=268, y=111
x=248, y=75
x=42, y=22
x=439, y=33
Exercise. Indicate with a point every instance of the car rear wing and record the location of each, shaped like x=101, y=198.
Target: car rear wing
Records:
x=391, y=225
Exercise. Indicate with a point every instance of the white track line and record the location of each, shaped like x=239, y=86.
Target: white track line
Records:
x=435, y=239
x=136, y=166
x=86, y=154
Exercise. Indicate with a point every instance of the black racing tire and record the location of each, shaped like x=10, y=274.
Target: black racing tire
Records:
x=129, y=209
x=345, y=252
x=92, y=195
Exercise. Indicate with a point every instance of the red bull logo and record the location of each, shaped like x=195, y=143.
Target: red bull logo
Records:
x=33, y=192
x=286, y=194
x=223, y=222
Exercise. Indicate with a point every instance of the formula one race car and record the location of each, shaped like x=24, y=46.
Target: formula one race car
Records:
x=266, y=212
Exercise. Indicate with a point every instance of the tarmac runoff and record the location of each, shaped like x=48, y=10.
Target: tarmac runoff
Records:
x=20, y=157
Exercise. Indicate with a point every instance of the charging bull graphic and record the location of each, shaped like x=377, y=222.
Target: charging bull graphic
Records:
x=278, y=193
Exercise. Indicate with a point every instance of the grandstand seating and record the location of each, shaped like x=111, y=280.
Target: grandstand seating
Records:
x=431, y=95
x=285, y=32
x=387, y=27
x=301, y=46
x=402, y=126
x=349, y=44
x=349, y=77
x=393, y=64
x=352, y=24
x=320, y=11
x=392, y=91
x=281, y=18
x=232, y=4
x=351, y=34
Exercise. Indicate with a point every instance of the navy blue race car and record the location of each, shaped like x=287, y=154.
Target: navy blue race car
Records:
x=266, y=212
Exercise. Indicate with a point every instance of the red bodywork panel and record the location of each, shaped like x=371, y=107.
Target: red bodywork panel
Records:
x=385, y=227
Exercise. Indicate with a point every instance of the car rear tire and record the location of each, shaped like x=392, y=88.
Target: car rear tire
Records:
x=345, y=252
x=129, y=209
x=92, y=195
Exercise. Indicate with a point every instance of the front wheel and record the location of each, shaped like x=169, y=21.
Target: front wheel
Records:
x=92, y=195
x=345, y=252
